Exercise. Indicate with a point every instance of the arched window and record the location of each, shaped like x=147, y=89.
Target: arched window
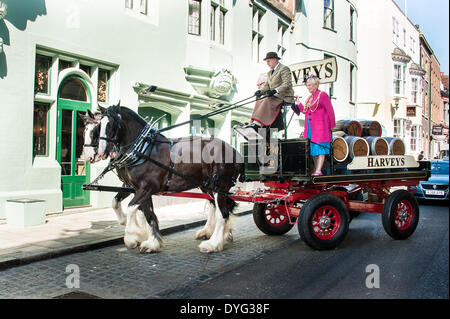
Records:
x=74, y=89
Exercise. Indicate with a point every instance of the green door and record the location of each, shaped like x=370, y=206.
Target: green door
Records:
x=73, y=99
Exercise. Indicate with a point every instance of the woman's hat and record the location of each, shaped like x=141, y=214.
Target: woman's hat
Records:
x=271, y=55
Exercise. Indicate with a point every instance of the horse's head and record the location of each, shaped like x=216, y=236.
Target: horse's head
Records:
x=91, y=135
x=110, y=125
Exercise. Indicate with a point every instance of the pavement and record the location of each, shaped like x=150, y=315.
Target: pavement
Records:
x=79, y=230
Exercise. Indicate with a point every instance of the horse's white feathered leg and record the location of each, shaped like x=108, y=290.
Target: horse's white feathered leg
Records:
x=134, y=234
x=117, y=207
x=206, y=232
x=215, y=243
x=151, y=243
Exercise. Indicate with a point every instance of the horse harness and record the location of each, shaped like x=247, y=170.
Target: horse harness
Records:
x=140, y=150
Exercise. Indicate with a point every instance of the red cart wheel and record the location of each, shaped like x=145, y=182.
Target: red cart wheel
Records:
x=400, y=215
x=271, y=219
x=324, y=221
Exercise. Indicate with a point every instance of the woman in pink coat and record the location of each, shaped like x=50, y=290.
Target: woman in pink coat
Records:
x=319, y=120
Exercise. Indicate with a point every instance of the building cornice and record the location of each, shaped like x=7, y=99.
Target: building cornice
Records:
x=400, y=56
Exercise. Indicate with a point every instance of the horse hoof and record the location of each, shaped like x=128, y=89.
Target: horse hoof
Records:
x=202, y=235
x=150, y=247
x=206, y=247
x=131, y=243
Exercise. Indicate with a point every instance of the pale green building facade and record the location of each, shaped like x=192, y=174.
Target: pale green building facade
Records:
x=60, y=58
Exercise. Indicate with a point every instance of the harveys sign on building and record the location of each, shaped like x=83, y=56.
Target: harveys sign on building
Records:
x=382, y=162
x=325, y=69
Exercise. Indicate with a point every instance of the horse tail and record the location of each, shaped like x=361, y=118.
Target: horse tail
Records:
x=230, y=205
x=241, y=170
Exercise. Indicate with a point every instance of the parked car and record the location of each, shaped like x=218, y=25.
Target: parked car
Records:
x=436, y=188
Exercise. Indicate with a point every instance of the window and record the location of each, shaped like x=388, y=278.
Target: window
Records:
x=413, y=138
x=217, y=21
x=102, y=87
x=352, y=24
x=404, y=38
x=395, y=31
x=352, y=83
x=282, y=28
x=74, y=89
x=63, y=64
x=143, y=7
x=413, y=45
x=397, y=128
x=40, y=123
x=212, y=21
x=222, y=26
x=257, y=36
x=331, y=85
x=194, y=18
x=404, y=80
x=328, y=14
x=42, y=74
x=414, y=90
x=397, y=79
x=129, y=4
x=86, y=68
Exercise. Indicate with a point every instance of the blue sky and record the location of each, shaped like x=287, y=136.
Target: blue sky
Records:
x=432, y=17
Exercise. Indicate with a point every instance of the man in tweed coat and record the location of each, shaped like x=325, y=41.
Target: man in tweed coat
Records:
x=278, y=88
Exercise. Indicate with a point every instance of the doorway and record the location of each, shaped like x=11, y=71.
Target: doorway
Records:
x=73, y=99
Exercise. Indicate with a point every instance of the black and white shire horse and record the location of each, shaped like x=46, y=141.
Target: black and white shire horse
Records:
x=165, y=165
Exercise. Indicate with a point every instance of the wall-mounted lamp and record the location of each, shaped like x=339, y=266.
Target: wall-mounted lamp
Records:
x=396, y=103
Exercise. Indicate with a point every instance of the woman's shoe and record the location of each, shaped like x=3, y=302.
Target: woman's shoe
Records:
x=317, y=174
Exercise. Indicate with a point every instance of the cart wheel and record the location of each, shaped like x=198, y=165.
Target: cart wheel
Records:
x=271, y=219
x=324, y=221
x=400, y=214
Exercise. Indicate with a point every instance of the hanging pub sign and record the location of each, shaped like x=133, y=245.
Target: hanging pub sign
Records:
x=325, y=69
x=437, y=130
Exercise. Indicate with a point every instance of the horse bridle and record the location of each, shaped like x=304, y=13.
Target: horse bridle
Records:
x=94, y=145
x=116, y=120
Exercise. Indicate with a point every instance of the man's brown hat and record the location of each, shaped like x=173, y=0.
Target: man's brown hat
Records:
x=271, y=55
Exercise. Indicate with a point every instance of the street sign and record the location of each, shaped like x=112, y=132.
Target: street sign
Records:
x=325, y=69
x=437, y=130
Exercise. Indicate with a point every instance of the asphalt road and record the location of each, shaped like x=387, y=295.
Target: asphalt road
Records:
x=414, y=268
x=254, y=266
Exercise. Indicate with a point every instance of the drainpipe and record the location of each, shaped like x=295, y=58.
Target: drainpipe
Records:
x=429, y=112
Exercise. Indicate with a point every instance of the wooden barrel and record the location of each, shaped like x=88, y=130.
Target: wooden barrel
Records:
x=352, y=128
x=371, y=128
x=357, y=146
x=396, y=146
x=340, y=149
x=378, y=145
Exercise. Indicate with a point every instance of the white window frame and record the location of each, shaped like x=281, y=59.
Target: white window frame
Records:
x=414, y=91
x=414, y=138
x=397, y=81
x=143, y=7
x=281, y=48
x=328, y=14
x=395, y=31
x=129, y=4
x=352, y=24
x=257, y=36
x=192, y=26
